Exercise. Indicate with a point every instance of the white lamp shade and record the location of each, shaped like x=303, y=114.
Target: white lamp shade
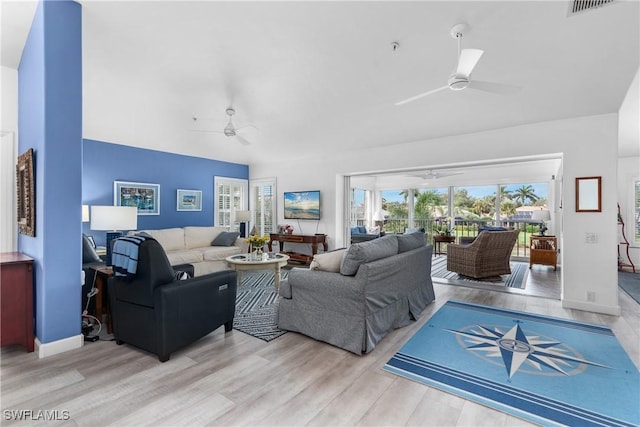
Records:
x=85, y=213
x=541, y=215
x=243, y=216
x=378, y=216
x=114, y=218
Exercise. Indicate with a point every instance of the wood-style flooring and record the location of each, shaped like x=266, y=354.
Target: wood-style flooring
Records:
x=235, y=379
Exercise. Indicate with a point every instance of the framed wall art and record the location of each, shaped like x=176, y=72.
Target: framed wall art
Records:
x=189, y=200
x=26, y=197
x=589, y=194
x=144, y=196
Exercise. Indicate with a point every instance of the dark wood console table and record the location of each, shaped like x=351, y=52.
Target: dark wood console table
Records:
x=311, y=239
x=16, y=294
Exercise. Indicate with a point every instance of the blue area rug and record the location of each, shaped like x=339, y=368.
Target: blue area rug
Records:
x=630, y=283
x=257, y=305
x=546, y=370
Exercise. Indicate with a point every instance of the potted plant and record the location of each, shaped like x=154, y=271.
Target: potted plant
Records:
x=257, y=243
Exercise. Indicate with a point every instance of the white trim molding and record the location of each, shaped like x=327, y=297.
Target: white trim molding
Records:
x=589, y=306
x=57, y=347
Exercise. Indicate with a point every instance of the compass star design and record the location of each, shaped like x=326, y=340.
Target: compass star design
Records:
x=516, y=348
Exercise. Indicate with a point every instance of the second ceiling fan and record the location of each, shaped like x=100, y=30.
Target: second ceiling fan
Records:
x=230, y=130
x=461, y=78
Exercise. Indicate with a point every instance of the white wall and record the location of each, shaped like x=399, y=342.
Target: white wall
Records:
x=588, y=146
x=8, y=153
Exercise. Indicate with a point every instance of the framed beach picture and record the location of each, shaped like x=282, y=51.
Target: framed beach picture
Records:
x=144, y=196
x=189, y=200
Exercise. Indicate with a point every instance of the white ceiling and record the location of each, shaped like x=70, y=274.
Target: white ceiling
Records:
x=320, y=77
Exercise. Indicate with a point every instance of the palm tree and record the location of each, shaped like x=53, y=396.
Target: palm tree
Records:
x=505, y=194
x=483, y=205
x=524, y=193
x=426, y=203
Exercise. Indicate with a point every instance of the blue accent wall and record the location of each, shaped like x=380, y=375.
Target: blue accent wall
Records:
x=50, y=122
x=104, y=163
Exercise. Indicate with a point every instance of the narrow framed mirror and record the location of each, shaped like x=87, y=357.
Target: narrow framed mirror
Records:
x=589, y=194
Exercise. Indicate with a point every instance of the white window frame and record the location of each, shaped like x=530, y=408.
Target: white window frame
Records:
x=240, y=204
x=632, y=214
x=257, y=185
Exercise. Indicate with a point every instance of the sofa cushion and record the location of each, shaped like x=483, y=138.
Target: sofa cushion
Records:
x=372, y=250
x=171, y=239
x=411, y=241
x=184, y=257
x=226, y=238
x=328, y=261
x=217, y=253
x=490, y=228
x=201, y=237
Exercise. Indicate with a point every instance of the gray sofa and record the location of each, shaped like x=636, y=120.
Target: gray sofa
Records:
x=381, y=284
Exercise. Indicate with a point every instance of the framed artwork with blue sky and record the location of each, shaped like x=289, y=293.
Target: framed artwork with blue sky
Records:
x=144, y=196
x=189, y=200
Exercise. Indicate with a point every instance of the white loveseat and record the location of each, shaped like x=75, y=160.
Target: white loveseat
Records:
x=192, y=245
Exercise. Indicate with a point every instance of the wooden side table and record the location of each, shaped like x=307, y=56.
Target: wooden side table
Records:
x=543, y=250
x=438, y=240
x=102, y=298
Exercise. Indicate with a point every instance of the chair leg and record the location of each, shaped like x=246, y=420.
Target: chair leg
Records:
x=119, y=342
x=228, y=326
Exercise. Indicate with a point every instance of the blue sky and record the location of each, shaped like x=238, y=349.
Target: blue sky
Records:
x=477, y=191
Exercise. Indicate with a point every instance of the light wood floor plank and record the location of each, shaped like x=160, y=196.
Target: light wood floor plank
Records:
x=235, y=379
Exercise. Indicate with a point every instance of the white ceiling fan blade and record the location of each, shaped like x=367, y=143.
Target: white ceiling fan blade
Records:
x=241, y=140
x=444, y=174
x=499, y=88
x=468, y=60
x=422, y=95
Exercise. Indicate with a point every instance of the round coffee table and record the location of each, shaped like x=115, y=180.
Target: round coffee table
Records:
x=248, y=262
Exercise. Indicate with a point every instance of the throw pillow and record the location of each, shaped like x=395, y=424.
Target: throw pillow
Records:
x=409, y=242
x=226, y=238
x=373, y=230
x=181, y=275
x=88, y=252
x=364, y=252
x=328, y=261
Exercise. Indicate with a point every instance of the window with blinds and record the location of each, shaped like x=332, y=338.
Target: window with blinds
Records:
x=636, y=212
x=263, y=205
x=230, y=195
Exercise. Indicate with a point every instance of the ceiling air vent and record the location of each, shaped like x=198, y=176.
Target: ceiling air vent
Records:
x=577, y=6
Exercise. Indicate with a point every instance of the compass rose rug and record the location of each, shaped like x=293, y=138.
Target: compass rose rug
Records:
x=546, y=370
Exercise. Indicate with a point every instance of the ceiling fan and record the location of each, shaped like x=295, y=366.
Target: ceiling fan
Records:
x=434, y=174
x=461, y=77
x=230, y=129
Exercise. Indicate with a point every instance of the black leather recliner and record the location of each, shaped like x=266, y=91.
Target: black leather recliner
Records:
x=159, y=314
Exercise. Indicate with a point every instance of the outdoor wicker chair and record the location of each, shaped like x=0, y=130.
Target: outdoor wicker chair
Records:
x=488, y=255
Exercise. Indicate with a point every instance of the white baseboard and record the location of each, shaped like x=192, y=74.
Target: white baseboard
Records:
x=57, y=347
x=589, y=306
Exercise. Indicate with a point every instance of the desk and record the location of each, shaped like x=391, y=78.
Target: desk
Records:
x=311, y=239
x=438, y=240
x=102, y=298
x=16, y=297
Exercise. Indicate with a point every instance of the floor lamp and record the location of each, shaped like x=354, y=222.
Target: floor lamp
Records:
x=112, y=219
x=243, y=217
